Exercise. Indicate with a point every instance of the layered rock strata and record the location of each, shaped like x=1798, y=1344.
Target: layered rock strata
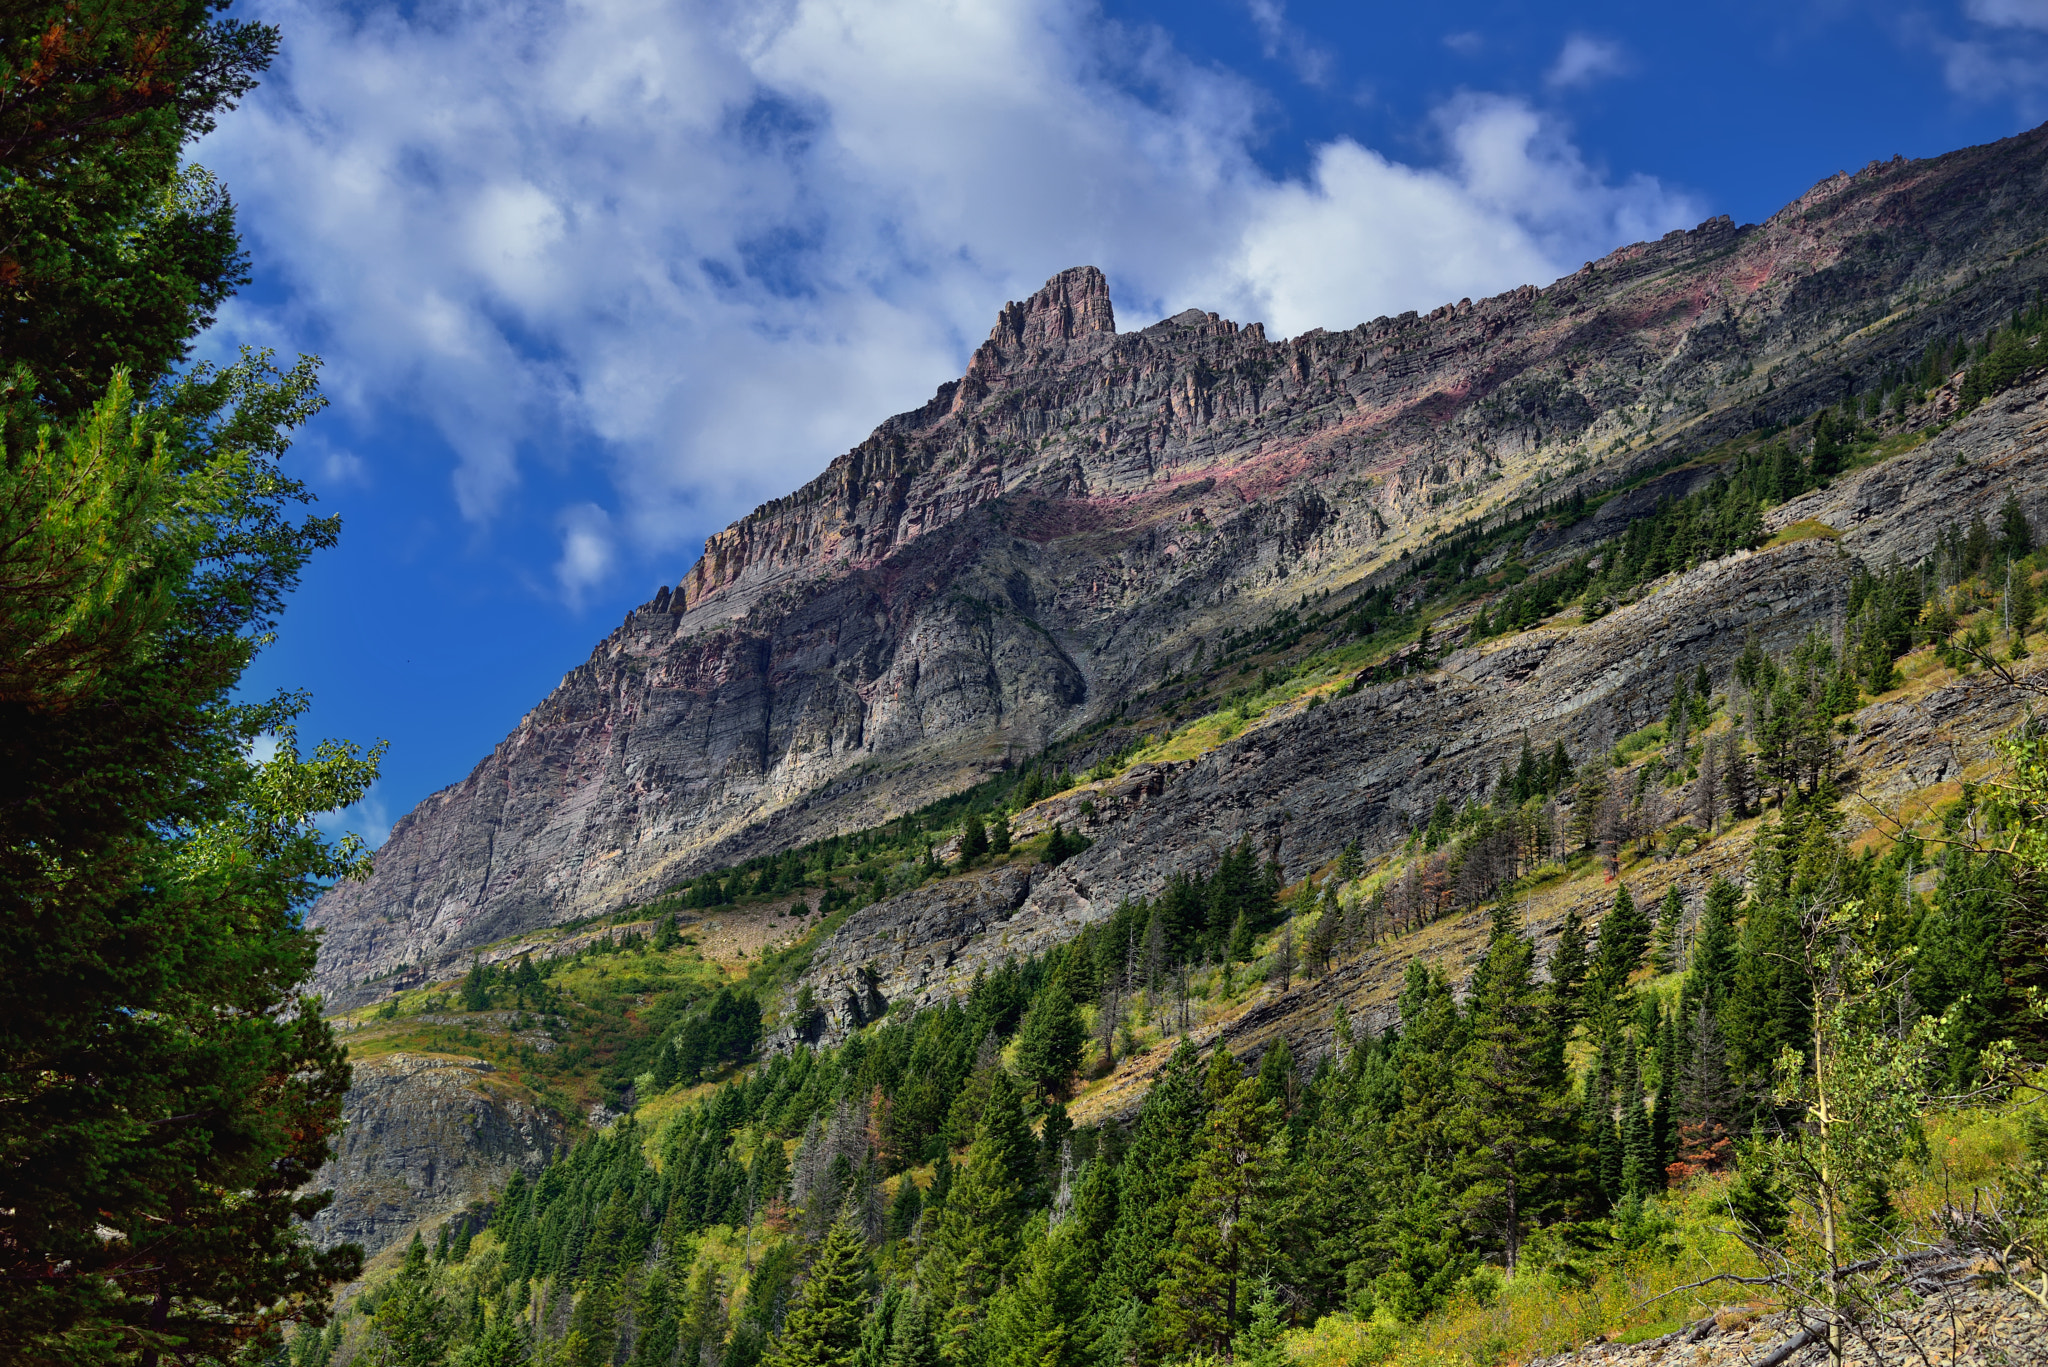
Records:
x=1370, y=767
x=1084, y=509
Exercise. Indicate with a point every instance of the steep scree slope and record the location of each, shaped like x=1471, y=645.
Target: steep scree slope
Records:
x=1084, y=509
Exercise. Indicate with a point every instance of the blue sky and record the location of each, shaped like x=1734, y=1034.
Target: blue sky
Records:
x=591, y=278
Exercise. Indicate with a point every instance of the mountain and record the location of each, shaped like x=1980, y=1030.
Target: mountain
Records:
x=1068, y=531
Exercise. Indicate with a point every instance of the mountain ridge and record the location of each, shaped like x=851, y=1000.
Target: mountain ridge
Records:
x=1067, y=523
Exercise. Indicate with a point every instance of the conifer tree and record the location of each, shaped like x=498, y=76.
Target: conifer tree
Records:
x=412, y=1324
x=912, y=1341
x=1261, y=1342
x=1624, y=938
x=1511, y=1119
x=1152, y=1181
x=976, y=1239
x=1040, y=1319
x=1050, y=1038
x=973, y=838
x=1221, y=1238
x=1640, y=1173
x=999, y=833
x=1670, y=920
x=823, y=1326
x=1567, y=969
x=1663, y=1126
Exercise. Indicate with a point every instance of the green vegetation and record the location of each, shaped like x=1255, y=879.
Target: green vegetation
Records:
x=169, y=1089
x=1554, y=1153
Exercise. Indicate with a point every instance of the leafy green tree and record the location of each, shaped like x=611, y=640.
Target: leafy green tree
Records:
x=999, y=834
x=823, y=1326
x=170, y=1091
x=973, y=837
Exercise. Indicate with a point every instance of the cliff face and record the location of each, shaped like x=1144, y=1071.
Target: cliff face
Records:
x=1068, y=521
x=426, y=1135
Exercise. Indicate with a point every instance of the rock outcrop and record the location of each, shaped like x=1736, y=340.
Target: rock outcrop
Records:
x=426, y=1135
x=1071, y=519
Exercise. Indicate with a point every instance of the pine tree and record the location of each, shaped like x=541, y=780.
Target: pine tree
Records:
x=1663, y=1125
x=999, y=834
x=1152, y=1182
x=412, y=1325
x=976, y=1240
x=1041, y=1319
x=973, y=838
x=1050, y=1039
x=1640, y=1172
x=823, y=1327
x=1262, y=1342
x=1510, y=1121
x=1704, y=1111
x=1221, y=1238
x=1712, y=972
x=912, y=1340
x=476, y=987
x=1624, y=938
x=1567, y=969
x=1670, y=920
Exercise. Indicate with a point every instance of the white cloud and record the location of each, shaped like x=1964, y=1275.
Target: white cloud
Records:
x=1584, y=60
x=1465, y=43
x=370, y=818
x=588, y=550
x=1283, y=41
x=1365, y=235
x=720, y=242
x=2010, y=63
x=2031, y=14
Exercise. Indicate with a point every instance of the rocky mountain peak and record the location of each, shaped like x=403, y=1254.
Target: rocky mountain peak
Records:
x=1074, y=303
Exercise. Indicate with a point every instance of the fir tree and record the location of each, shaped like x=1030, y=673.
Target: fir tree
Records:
x=999, y=834
x=1640, y=1171
x=1712, y=972
x=912, y=1341
x=1221, y=1238
x=1670, y=920
x=1510, y=1122
x=1624, y=938
x=1261, y=1342
x=976, y=1239
x=823, y=1327
x=1050, y=1038
x=973, y=838
x=1567, y=969
x=412, y=1325
x=1663, y=1125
